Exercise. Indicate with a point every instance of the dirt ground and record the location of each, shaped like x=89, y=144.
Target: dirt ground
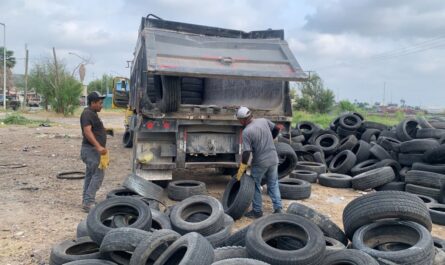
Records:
x=37, y=210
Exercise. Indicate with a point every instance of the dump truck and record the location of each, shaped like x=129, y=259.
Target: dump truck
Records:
x=186, y=84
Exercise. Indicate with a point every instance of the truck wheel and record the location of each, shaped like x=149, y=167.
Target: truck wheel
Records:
x=171, y=94
x=127, y=139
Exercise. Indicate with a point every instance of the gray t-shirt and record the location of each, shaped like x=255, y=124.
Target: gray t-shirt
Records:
x=257, y=138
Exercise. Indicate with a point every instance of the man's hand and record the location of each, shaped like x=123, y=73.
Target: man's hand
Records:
x=101, y=150
x=242, y=168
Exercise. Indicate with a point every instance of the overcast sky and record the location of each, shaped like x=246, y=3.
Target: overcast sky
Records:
x=357, y=46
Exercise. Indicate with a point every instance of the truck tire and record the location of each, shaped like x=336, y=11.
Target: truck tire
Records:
x=192, y=84
x=230, y=252
x=343, y=162
x=407, y=129
x=437, y=213
x=294, y=189
x=121, y=240
x=383, y=205
x=127, y=139
x=350, y=257
x=197, y=204
x=71, y=250
x=293, y=226
x=361, y=151
x=329, y=228
x=238, y=196
x=335, y=180
x=425, y=178
x=179, y=190
x=287, y=159
x=416, y=239
x=373, y=178
x=421, y=190
x=307, y=175
x=191, y=248
x=171, y=94
x=114, y=206
x=150, y=248
x=192, y=101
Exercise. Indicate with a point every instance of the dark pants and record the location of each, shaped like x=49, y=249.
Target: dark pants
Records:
x=93, y=175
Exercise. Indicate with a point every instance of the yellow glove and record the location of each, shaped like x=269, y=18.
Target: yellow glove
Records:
x=242, y=168
x=145, y=157
x=104, y=161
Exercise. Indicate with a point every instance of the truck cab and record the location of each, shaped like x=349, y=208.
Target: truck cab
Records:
x=185, y=86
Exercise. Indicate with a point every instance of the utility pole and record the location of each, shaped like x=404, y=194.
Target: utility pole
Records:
x=26, y=75
x=384, y=93
x=57, y=72
x=4, y=65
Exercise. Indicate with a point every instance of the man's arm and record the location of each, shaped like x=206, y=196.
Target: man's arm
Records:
x=245, y=157
x=92, y=139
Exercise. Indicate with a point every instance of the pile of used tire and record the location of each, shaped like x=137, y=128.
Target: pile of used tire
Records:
x=354, y=153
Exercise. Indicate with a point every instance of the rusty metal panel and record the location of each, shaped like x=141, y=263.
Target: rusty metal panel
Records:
x=211, y=143
x=185, y=54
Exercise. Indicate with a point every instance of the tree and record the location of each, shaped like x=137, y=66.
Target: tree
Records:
x=315, y=98
x=10, y=63
x=59, y=89
x=346, y=105
x=101, y=84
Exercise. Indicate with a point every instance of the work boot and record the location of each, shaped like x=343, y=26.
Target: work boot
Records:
x=253, y=215
x=278, y=210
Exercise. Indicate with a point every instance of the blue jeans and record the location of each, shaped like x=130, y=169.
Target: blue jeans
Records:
x=273, y=190
x=93, y=175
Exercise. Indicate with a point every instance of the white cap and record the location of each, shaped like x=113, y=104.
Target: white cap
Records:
x=242, y=113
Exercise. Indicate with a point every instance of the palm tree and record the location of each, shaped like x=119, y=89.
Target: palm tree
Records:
x=10, y=59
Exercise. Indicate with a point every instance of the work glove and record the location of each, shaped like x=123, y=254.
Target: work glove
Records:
x=242, y=168
x=145, y=157
x=104, y=161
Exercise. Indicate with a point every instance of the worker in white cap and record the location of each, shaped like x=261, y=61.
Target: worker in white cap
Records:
x=258, y=135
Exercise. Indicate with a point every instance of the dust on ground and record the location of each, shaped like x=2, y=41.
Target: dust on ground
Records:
x=38, y=210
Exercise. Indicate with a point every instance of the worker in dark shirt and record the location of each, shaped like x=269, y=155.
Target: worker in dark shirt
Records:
x=258, y=135
x=93, y=148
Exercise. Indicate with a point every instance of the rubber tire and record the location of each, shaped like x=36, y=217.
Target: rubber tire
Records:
x=198, y=204
x=439, y=243
x=120, y=240
x=373, y=178
x=230, y=252
x=437, y=168
x=81, y=230
x=407, y=129
x=160, y=220
x=238, y=238
x=430, y=133
x=332, y=147
x=334, y=180
x=60, y=256
x=435, y=155
x=421, y=252
x=437, y=213
x=329, y=228
x=171, y=94
x=290, y=161
x=152, y=247
x=198, y=251
x=424, y=123
x=426, y=199
x=374, y=125
x=218, y=238
x=127, y=139
x=350, y=257
x=340, y=166
x=394, y=185
x=382, y=205
x=425, y=178
x=439, y=257
x=307, y=128
x=143, y=187
x=420, y=190
x=379, y=152
x=350, y=122
x=191, y=94
x=361, y=151
x=91, y=262
x=179, y=190
x=418, y=145
x=410, y=159
x=347, y=143
x=311, y=253
x=294, y=189
x=238, y=196
x=364, y=166
x=97, y=230
x=389, y=144
x=192, y=101
x=370, y=135
x=307, y=175
x=311, y=166
x=123, y=192
x=239, y=261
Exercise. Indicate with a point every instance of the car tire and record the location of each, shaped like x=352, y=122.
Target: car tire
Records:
x=373, y=178
x=71, y=250
x=350, y=257
x=307, y=175
x=334, y=180
x=238, y=196
x=343, y=162
x=294, y=189
x=179, y=190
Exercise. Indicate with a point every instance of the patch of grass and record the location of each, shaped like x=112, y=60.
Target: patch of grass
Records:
x=324, y=120
x=17, y=119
